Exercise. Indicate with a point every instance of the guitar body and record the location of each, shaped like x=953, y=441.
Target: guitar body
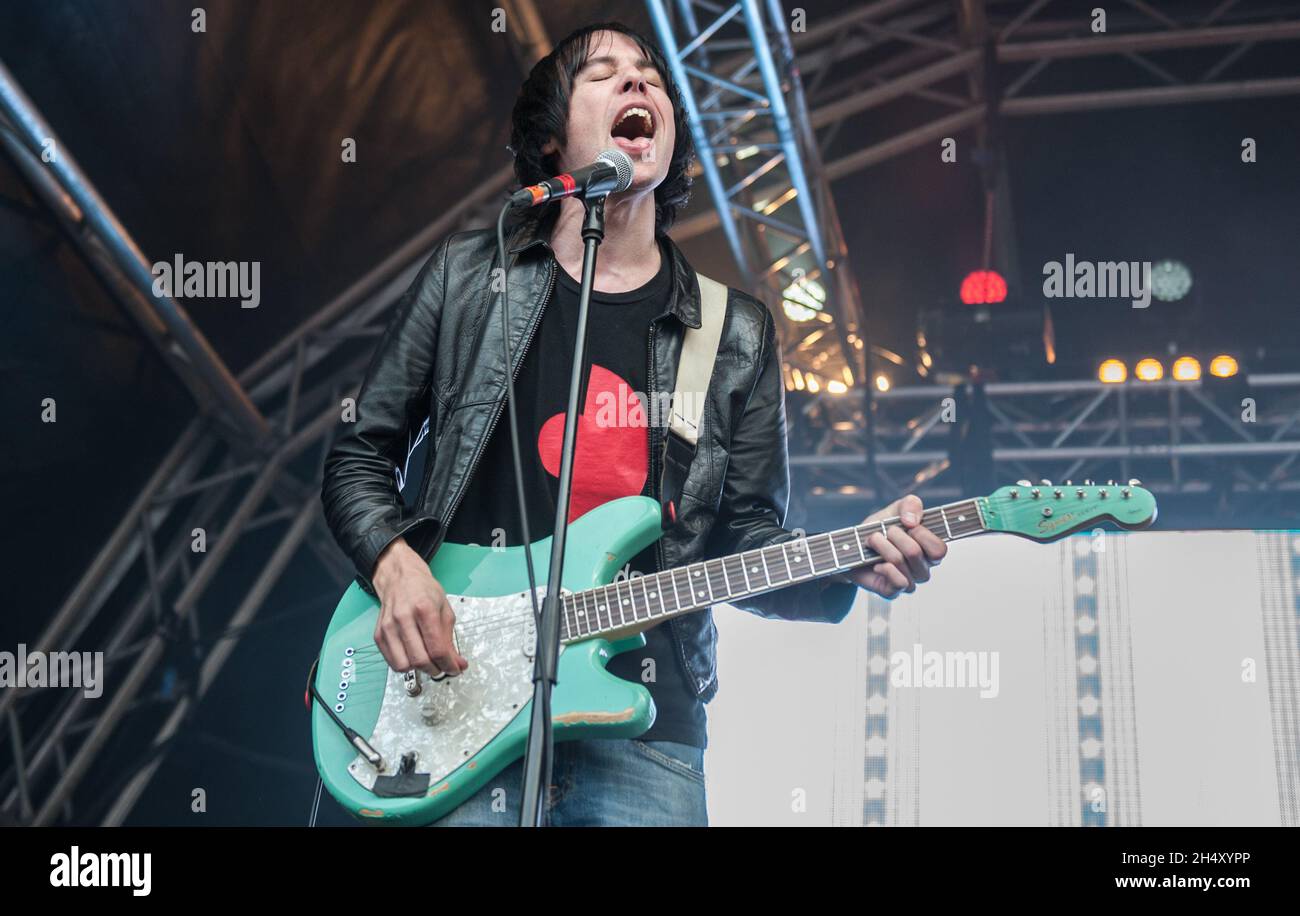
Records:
x=465, y=730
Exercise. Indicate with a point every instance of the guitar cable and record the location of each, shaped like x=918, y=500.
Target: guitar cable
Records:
x=363, y=746
x=510, y=403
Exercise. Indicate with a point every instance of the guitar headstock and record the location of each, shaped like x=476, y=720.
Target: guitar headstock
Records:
x=1045, y=511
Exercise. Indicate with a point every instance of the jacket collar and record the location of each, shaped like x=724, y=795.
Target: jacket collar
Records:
x=684, y=298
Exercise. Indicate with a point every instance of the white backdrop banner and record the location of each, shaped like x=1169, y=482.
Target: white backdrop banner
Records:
x=1111, y=678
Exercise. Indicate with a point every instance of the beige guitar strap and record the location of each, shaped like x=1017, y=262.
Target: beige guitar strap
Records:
x=694, y=370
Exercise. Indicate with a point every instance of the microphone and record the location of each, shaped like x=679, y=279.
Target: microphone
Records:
x=610, y=173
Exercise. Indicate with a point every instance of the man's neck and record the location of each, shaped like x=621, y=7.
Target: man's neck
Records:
x=629, y=257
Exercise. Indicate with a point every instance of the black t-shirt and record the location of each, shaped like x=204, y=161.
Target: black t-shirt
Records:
x=611, y=460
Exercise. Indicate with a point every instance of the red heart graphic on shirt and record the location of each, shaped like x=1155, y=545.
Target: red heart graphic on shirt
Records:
x=611, y=448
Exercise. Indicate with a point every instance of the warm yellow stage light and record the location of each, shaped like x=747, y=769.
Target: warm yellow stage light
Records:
x=1112, y=372
x=1186, y=369
x=1223, y=366
x=1149, y=370
x=882, y=382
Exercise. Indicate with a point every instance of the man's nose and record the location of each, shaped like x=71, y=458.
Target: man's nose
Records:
x=634, y=84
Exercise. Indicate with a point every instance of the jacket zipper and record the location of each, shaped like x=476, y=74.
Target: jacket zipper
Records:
x=514, y=374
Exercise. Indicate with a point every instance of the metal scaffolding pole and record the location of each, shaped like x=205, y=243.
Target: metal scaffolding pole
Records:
x=201, y=367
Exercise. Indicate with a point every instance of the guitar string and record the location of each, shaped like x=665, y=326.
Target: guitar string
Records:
x=643, y=602
x=505, y=620
x=491, y=622
x=495, y=622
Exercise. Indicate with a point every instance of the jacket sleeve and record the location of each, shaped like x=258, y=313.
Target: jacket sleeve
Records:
x=363, y=506
x=755, y=496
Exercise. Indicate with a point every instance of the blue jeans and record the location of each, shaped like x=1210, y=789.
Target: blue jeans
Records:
x=601, y=783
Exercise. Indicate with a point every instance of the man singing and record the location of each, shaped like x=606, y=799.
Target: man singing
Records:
x=442, y=358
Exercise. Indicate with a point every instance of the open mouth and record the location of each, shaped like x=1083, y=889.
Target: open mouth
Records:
x=633, y=123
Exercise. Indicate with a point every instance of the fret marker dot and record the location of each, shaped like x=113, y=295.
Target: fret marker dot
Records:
x=601, y=607
x=961, y=518
x=701, y=594
x=625, y=601
x=652, y=594
x=753, y=569
x=697, y=573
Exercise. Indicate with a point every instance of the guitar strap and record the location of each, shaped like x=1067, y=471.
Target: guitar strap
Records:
x=694, y=369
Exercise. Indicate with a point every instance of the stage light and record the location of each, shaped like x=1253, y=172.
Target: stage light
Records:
x=1112, y=372
x=835, y=386
x=1186, y=369
x=813, y=385
x=1223, y=366
x=1170, y=280
x=1149, y=370
x=803, y=299
x=796, y=312
x=882, y=382
x=983, y=287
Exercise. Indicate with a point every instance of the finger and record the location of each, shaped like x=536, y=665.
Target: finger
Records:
x=910, y=510
x=417, y=655
x=390, y=645
x=890, y=511
x=893, y=559
x=917, y=564
x=934, y=546
x=873, y=581
x=441, y=648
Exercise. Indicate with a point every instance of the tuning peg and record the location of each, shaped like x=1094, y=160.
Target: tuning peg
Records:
x=1087, y=482
x=1110, y=483
x=1045, y=483
x=1134, y=482
x=1023, y=483
x=1069, y=483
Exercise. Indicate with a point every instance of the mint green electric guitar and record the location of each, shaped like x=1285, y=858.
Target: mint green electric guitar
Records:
x=406, y=749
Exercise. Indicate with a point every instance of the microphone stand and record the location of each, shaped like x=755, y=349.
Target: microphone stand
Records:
x=541, y=742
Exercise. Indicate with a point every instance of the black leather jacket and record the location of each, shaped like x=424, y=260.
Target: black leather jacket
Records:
x=441, y=358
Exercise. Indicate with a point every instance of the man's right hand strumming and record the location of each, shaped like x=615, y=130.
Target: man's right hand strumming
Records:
x=415, y=618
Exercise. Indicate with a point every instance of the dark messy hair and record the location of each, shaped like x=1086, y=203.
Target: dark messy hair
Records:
x=542, y=112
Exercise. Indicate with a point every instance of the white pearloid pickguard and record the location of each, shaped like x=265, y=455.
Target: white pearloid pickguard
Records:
x=451, y=719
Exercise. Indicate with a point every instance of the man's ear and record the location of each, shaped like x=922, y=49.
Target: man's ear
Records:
x=551, y=147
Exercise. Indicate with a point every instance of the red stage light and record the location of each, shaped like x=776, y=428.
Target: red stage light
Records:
x=983, y=287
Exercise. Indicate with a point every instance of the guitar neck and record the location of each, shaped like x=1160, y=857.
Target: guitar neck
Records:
x=633, y=603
